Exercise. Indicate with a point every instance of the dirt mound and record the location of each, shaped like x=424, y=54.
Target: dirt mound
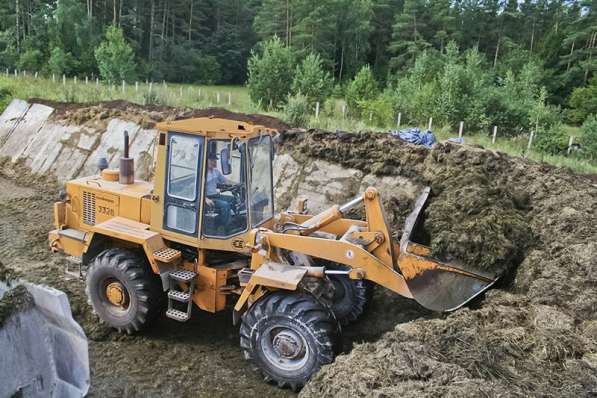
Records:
x=536, y=335
x=100, y=113
x=472, y=216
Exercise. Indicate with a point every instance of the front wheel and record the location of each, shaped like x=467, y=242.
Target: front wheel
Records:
x=288, y=337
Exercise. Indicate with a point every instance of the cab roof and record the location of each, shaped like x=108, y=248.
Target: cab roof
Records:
x=210, y=126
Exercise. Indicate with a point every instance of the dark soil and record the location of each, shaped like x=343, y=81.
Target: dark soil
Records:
x=536, y=333
x=473, y=215
x=15, y=300
x=99, y=113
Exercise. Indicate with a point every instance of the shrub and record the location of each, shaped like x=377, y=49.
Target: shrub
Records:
x=61, y=62
x=582, y=103
x=363, y=88
x=551, y=140
x=31, y=60
x=270, y=73
x=297, y=110
x=115, y=57
x=588, y=139
x=311, y=80
x=380, y=109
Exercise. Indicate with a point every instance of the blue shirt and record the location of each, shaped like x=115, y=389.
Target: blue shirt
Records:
x=214, y=177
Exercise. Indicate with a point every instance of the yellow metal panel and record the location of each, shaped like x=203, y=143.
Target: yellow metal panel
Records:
x=130, y=207
x=59, y=214
x=146, y=210
x=220, y=128
x=207, y=294
x=122, y=228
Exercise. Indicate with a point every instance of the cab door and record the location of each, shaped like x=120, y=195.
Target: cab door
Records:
x=183, y=182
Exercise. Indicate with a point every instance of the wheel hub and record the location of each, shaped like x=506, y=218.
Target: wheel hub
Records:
x=288, y=344
x=116, y=294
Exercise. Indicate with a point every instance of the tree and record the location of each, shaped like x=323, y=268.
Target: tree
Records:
x=362, y=88
x=311, y=80
x=588, y=139
x=115, y=58
x=270, y=73
x=582, y=103
x=61, y=63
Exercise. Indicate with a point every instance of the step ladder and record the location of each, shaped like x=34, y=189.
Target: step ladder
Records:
x=180, y=296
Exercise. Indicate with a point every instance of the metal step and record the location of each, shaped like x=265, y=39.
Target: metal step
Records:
x=177, y=315
x=167, y=255
x=182, y=275
x=177, y=295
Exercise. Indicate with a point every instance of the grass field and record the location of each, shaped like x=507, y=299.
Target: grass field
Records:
x=236, y=98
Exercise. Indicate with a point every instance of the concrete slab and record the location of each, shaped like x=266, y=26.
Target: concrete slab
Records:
x=25, y=131
x=10, y=117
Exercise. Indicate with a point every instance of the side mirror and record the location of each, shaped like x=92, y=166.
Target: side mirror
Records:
x=225, y=161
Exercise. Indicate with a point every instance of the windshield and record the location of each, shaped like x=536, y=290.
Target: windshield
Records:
x=261, y=199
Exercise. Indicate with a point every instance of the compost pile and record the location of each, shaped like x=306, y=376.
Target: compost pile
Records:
x=99, y=114
x=536, y=334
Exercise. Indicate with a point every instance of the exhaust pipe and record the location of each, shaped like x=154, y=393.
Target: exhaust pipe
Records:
x=127, y=164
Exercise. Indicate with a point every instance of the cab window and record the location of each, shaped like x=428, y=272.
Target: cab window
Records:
x=225, y=210
x=260, y=196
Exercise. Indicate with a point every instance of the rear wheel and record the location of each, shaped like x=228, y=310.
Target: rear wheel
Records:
x=350, y=297
x=288, y=337
x=123, y=291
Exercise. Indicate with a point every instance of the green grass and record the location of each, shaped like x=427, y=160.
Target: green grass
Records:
x=199, y=96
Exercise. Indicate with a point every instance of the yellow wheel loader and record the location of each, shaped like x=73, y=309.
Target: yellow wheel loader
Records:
x=205, y=233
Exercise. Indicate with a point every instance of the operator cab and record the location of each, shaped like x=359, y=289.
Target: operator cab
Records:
x=218, y=184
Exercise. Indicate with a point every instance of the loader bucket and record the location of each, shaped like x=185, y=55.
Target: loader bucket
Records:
x=434, y=284
x=43, y=351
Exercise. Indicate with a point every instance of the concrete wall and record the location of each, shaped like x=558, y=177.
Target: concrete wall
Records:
x=29, y=134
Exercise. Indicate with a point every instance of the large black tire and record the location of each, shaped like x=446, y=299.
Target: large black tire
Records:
x=288, y=336
x=129, y=274
x=350, y=297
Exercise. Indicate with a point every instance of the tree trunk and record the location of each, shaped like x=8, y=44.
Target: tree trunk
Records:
x=341, y=63
x=190, y=20
x=570, y=56
x=114, y=13
x=151, y=24
x=497, y=51
x=18, y=36
x=591, y=45
x=119, y=12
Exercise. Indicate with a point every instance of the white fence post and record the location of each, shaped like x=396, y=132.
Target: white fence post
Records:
x=218, y=97
x=123, y=86
x=75, y=79
x=430, y=123
x=53, y=78
x=229, y=98
x=136, y=87
x=317, y=110
x=494, y=134
x=16, y=73
x=86, y=80
x=36, y=75
x=370, y=116
x=180, y=92
x=343, y=111
x=570, y=141
x=64, y=80
x=97, y=81
x=460, y=129
x=530, y=143
x=399, y=120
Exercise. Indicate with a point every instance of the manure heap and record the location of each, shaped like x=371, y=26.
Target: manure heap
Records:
x=535, y=334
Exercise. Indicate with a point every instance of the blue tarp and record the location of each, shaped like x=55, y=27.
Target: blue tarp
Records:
x=415, y=136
